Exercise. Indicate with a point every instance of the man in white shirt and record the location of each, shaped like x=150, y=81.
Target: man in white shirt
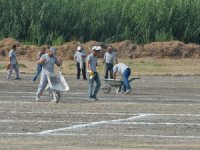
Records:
x=79, y=58
x=13, y=63
x=109, y=58
x=93, y=74
x=48, y=61
x=126, y=72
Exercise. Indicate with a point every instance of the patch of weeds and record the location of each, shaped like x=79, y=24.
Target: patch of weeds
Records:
x=22, y=66
x=2, y=66
x=142, y=61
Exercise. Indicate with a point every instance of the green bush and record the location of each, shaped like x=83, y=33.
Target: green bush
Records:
x=142, y=21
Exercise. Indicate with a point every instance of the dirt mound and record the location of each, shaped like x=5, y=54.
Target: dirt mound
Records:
x=172, y=49
x=124, y=49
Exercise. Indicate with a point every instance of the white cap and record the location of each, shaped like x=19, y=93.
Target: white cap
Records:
x=53, y=50
x=97, y=48
x=78, y=48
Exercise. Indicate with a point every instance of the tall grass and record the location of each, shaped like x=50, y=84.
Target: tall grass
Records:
x=142, y=21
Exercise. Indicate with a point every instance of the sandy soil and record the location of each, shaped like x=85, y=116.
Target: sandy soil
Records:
x=163, y=112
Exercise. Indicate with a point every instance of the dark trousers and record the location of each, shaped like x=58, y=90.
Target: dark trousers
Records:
x=79, y=71
x=109, y=68
x=126, y=84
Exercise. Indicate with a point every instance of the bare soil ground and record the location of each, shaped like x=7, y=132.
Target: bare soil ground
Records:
x=163, y=112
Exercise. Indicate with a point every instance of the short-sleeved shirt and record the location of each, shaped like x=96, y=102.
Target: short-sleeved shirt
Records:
x=39, y=55
x=12, y=56
x=120, y=68
x=49, y=63
x=92, y=62
x=109, y=57
x=80, y=56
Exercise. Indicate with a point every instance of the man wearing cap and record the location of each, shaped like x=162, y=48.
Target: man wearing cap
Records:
x=79, y=58
x=93, y=74
x=48, y=61
x=109, y=58
x=126, y=72
x=13, y=64
x=39, y=66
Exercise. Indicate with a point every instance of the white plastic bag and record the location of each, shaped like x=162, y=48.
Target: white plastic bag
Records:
x=57, y=83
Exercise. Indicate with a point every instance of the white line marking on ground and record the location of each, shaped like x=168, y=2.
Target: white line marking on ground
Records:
x=152, y=123
x=105, y=113
x=104, y=135
x=109, y=123
x=33, y=121
x=80, y=126
x=165, y=136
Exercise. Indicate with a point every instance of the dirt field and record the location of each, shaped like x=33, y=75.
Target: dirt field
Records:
x=163, y=112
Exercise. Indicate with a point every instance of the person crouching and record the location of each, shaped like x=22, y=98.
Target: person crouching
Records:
x=125, y=72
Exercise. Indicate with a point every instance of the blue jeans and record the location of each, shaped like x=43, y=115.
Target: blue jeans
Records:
x=109, y=68
x=126, y=74
x=38, y=71
x=93, y=92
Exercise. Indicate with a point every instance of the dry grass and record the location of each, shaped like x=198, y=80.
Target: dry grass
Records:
x=141, y=66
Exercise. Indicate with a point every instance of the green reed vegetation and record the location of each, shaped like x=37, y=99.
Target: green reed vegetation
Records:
x=142, y=21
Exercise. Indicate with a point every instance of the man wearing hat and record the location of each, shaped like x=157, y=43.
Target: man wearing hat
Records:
x=79, y=58
x=92, y=73
x=48, y=61
x=109, y=58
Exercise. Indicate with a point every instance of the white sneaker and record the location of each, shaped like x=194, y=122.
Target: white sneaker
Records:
x=128, y=91
x=37, y=98
x=54, y=101
x=91, y=100
x=122, y=92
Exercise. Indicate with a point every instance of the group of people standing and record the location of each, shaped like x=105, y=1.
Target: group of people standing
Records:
x=85, y=64
x=90, y=62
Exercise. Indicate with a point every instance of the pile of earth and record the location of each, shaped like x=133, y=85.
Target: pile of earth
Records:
x=124, y=49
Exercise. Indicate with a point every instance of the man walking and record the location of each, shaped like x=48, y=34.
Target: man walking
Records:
x=109, y=58
x=126, y=72
x=48, y=61
x=79, y=58
x=93, y=74
x=13, y=63
x=39, y=66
